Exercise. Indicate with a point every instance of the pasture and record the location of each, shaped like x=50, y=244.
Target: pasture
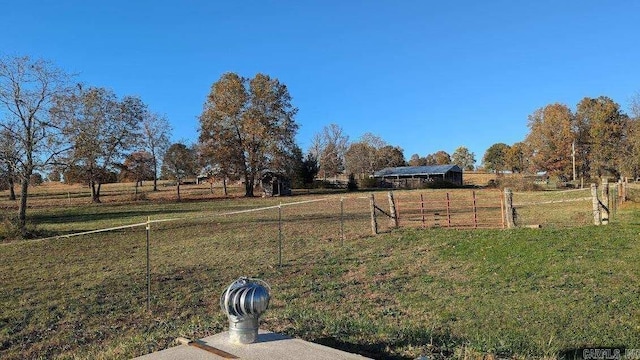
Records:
x=407, y=292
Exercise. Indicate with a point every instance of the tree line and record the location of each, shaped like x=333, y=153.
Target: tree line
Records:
x=48, y=122
x=89, y=134
x=248, y=126
x=596, y=139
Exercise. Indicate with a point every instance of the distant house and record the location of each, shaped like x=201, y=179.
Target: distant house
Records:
x=275, y=184
x=416, y=176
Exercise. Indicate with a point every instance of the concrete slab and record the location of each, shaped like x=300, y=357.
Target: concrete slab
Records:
x=269, y=346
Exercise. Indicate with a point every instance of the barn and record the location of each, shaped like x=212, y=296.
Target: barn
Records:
x=414, y=177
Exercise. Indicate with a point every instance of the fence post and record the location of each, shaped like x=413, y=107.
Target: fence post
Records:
x=374, y=222
x=508, y=208
x=280, y=234
x=613, y=210
x=448, y=211
x=424, y=225
x=392, y=211
x=605, y=201
x=341, y=221
x=595, y=204
x=620, y=197
x=148, y=230
x=475, y=210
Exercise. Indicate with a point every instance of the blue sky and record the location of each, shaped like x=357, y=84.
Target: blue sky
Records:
x=423, y=75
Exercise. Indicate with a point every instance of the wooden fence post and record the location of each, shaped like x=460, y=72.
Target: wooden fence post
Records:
x=448, y=211
x=475, y=210
x=595, y=205
x=372, y=207
x=392, y=211
x=508, y=208
x=605, y=201
x=620, y=198
x=424, y=225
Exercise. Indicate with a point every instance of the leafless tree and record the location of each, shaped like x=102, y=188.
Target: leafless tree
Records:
x=156, y=131
x=28, y=88
x=330, y=147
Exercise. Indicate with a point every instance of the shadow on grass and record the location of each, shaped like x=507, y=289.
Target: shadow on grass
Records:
x=440, y=345
x=88, y=217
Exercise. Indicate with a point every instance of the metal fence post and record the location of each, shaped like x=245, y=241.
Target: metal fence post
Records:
x=341, y=221
x=148, y=230
x=280, y=234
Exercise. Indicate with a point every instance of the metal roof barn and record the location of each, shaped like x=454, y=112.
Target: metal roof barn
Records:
x=417, y=176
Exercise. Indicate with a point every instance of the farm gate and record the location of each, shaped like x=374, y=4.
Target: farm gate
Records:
x=454, y=209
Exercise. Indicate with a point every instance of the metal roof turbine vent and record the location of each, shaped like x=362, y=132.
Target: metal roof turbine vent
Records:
x=243, y=302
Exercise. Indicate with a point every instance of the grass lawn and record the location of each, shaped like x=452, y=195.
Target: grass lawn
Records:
x=404, y=293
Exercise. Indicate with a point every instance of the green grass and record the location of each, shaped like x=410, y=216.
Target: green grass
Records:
x=444, y=293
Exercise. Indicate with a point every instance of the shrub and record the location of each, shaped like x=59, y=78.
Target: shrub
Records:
x=9, y=229
x=368, y=183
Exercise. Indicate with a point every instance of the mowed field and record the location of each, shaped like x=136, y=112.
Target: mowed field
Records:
x=407, y=292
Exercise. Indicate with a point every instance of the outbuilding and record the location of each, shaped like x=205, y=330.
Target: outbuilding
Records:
x=275, y=184
x=414, y=177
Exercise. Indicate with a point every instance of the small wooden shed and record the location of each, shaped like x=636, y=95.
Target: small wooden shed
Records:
x=275, y=184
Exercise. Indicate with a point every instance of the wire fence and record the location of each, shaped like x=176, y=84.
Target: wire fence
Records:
x=170, y=265
x=280, y=233
x=553, y=209
x=568, y=208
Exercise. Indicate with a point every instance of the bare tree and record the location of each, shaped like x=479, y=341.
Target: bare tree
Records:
x=360, y=159
x=27, y=90
x=156, y=131
x=372, y=153
x=632, y=158
x=330, y=147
